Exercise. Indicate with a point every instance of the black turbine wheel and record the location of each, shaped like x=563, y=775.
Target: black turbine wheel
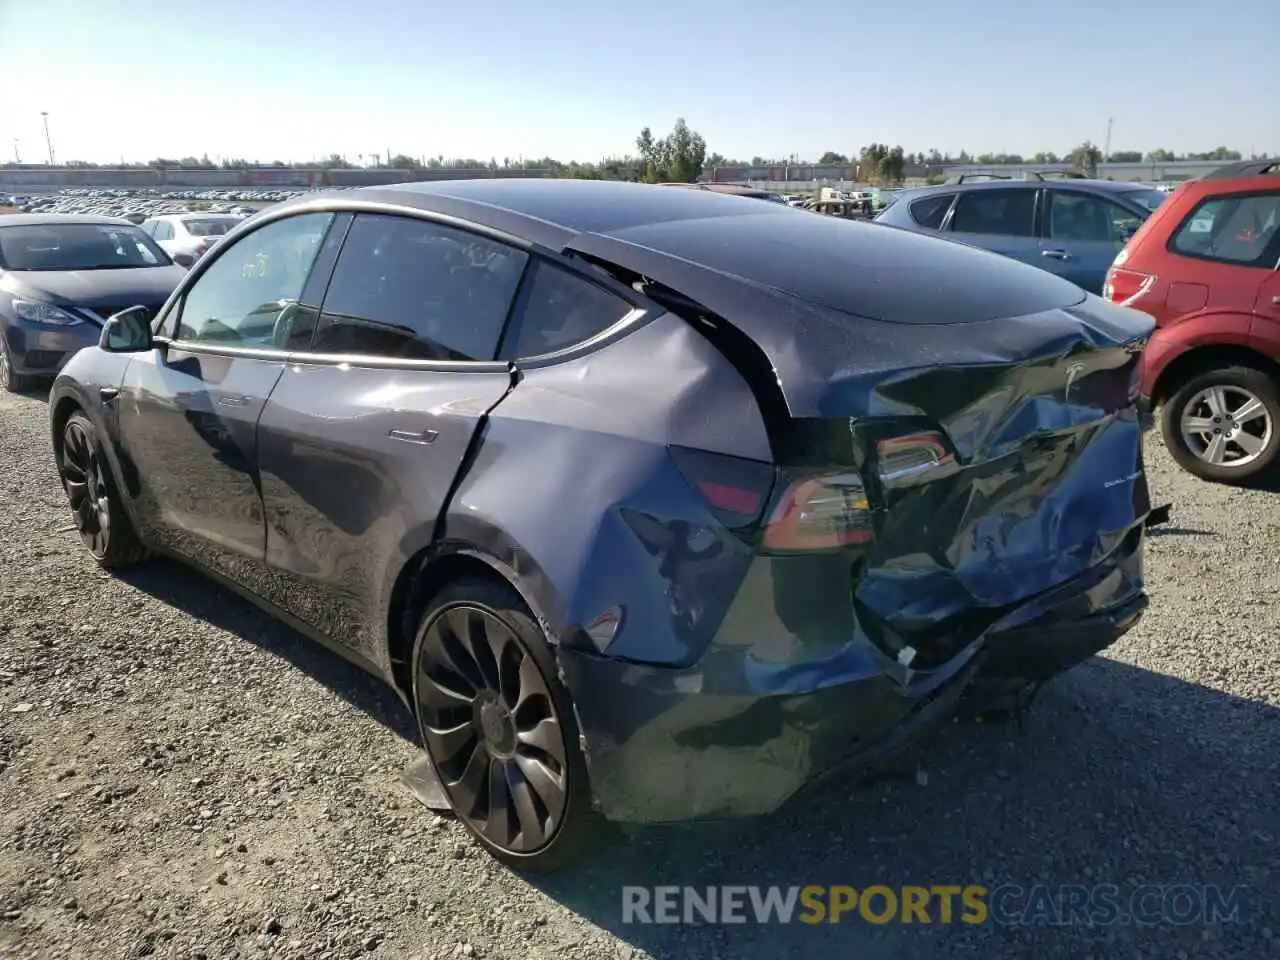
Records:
x=84, y=476
x=103, y=525
x=493, y=729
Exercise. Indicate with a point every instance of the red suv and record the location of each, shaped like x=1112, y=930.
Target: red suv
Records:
x=1206, y=265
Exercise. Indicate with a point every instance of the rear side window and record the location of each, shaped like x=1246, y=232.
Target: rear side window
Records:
x=1084, y=217
x=557, y=309
x=929, y=211
x=1239, y=229
x=412, y=289
x=1009, y=213
x=163, y=230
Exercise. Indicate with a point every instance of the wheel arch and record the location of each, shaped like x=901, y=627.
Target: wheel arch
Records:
x=1197, y=360
x=472, y=548
x=63, y=407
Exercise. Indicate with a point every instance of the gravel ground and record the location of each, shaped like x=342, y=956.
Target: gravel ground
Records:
x=180, y=776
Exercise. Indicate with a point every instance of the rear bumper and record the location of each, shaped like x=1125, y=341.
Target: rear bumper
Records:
x=1069, y=624
x=668, y=746
x=733, y=736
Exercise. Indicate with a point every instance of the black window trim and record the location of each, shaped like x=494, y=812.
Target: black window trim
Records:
x=1037, y=212
x=1044, y=211
x=1269, y=259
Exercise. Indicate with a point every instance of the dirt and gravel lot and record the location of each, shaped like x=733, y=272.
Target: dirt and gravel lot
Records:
x=180, y=776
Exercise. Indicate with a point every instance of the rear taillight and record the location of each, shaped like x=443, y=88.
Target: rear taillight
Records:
x=1124, y=286
x=820, y=513
x=913, y=459
x=816, y=511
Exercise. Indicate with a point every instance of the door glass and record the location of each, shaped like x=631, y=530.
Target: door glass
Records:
x=557, y=309
x=249, y=295
x=1082, y=217
x=929, y=211
x=418, y=290
x=164, y=230
x=1234, y=229
x=1002, y=211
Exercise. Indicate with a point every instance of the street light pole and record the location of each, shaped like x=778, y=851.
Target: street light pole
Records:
x=48, y=141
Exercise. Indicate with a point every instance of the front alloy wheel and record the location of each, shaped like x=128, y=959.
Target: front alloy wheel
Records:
x=1222, y=425
x=499, y=732
x=102, y=524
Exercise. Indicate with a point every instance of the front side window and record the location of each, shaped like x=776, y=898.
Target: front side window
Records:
x=78, y=246
x=1084, y=217
x=412, y=289
x=1234, y=229
x=1003, y=211
x=556, y=310
x=249, y=296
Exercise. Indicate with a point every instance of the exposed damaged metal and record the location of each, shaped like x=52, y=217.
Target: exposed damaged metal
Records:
x=823, y=485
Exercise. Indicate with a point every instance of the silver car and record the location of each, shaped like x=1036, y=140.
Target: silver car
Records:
x=186, y=237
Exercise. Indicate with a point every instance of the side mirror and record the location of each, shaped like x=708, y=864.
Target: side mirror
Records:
x=184, y=260
x=128, y=331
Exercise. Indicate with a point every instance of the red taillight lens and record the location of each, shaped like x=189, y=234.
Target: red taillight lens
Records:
x=1125, y=286
x=820, y=513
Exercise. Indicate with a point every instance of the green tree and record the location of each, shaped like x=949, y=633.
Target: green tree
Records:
x=832, y=157
x=1126, y=156
x=1085, y=158
x=676, y=158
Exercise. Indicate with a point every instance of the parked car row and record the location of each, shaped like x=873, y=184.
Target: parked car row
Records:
x=620, y=488
x=125, y=203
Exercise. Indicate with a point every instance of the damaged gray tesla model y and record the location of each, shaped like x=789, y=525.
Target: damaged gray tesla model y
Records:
x=653, y=505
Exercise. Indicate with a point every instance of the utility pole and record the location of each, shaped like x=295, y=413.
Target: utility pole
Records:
x=44, y=114
x=1106, y=144
x=17, y=157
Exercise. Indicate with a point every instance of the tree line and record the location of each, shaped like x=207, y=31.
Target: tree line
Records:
x=681, y=156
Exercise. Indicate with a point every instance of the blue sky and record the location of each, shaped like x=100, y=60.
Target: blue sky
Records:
x=286, y=79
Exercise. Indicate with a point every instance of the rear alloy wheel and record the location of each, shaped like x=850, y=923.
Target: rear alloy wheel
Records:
x=1222, y=425
x=103, y=525
x=499, y=728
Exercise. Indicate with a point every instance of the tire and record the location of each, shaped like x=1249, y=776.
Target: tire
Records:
x=10, y=379
x=94, y=498
x=1235, y=388
x=462, y=696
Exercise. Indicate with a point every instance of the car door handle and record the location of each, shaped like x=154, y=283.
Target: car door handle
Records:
x=1056, y=254
x=233, y=401
x=107, y=394
x=409, y=436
